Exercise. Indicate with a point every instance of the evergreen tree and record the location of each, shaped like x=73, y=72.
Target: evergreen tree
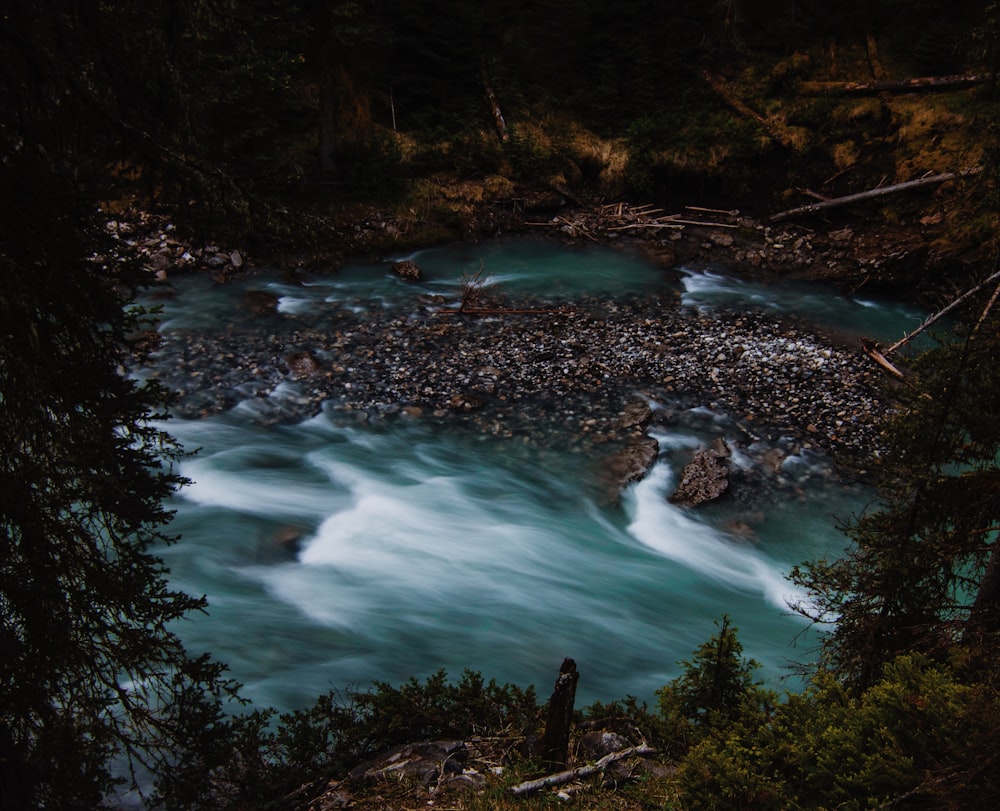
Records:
x=94, y=681
x=922, y=574
x=91, y=669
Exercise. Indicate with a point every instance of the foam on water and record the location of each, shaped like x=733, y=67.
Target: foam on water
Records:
x=671, y=532
x=421, y=549
x=880, y=320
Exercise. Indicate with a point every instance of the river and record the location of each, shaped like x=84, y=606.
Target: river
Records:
x=420, y=546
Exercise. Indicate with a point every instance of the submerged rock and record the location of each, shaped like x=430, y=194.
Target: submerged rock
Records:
x=408, y=271
x=261, y=302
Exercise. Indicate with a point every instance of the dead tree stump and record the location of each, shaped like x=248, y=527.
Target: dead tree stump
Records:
x=555, y=741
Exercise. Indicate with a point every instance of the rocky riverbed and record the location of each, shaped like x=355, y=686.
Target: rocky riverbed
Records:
x=595, y=377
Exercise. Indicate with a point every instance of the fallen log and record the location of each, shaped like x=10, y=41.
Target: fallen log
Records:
x=938, y=315
x=923, y=84
x=577, y=228
x=705, y=223
x=676, y=225
x=871, y=194
x=872, y=350
x=775, y=130
x=560, y=778
x=734, y=213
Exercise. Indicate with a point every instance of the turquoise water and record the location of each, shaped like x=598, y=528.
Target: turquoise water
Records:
x=424, y=548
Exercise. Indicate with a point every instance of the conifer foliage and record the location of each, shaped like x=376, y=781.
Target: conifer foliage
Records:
x=95, y=686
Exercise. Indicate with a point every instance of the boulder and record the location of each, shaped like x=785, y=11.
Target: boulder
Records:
x=636, y=415
x=629, y=465
x=408, y=271
x=428, y=761
x=705, y=478
x=592, y=746
x=633, y=462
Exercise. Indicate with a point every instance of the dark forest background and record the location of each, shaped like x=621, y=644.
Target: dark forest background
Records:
x=276, y=124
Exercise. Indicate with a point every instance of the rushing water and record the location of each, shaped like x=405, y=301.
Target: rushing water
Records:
x=429, y=548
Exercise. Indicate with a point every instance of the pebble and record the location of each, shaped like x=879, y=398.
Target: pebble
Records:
x=574, y=378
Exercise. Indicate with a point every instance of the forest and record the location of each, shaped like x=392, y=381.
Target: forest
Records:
x=279, y=127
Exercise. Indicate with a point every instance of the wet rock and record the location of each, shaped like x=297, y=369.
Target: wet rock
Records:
x=261, y=302
x=635, y=416
x=284, y=544
x=631, y=464
x=705, y=478
x=770, y=461
x=408, y=271
x=466, y=402
x=302, y=363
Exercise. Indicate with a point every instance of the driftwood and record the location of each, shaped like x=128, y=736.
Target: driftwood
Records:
x=731, y=213
x=560, y=778
x=872, y=351
x=871, y=194
x=923, y=84
x=879, y=355
x=617, y=217
x=938, y=315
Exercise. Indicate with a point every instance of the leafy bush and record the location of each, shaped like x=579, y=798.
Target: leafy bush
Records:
x=913, y=733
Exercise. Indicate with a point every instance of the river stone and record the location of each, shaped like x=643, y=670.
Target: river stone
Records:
x=408, y=271
x=635, y=415
x=260, y=302
x=465, y=402
x=705, y=478
x=302, y=363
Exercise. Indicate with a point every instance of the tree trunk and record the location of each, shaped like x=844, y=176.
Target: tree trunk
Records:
x=773, y=128
x=491, y=97
x=555, y=741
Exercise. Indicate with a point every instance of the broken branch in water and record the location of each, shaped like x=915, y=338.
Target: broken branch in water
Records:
x=940, y=313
